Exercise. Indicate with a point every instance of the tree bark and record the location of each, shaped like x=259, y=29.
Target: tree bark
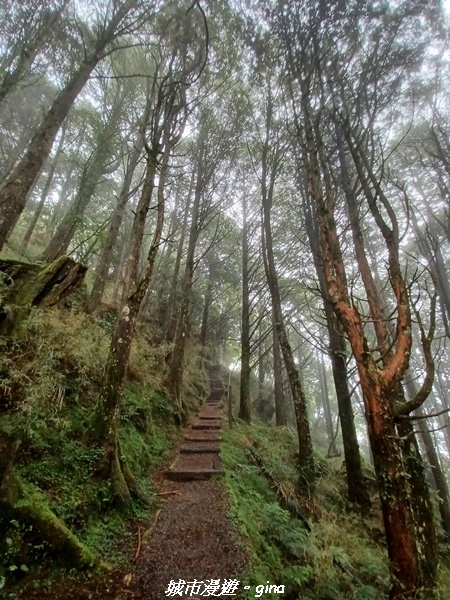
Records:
x=356, y=482
x=377, y=384
x=172, y=302
x=280, y=407
x=177, y=362
x=420, y=495
x=433, y=459
x=105, y=257
x=93, y=171
x=106, y=420
x=14, y=192
x=332, y=449
x=306, y=474
x=244, y=394
x=44, y=193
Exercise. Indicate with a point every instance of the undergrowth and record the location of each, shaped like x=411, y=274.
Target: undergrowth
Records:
x=342, y=557
x=337, y=559
x=50, y=377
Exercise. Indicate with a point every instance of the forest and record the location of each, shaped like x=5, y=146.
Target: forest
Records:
x=249, y=192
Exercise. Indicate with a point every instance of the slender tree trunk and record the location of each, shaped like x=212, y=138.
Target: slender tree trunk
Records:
x=433, y=459
x=181, y=333
x=205, y=315
x=280, y=408
x=45, y=191
x=61, y=205
x=440, y=389
x=306, y=460
x=261, y=356
x=92, y=173
x=163, y=268
x=172, y=303
x=105, y=257
x=13, y=193
x=29, y=50
x=106, y=421
x=438, y=475
x=323, y=385
x=244, y=397
x=356, y=482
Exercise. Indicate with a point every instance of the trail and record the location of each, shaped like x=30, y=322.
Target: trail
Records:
x=192, y=539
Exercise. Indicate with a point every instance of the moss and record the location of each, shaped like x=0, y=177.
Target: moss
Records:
x=34, y=510
x=21, y=502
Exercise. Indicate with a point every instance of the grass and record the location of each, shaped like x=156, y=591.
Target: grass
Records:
x=49, y=381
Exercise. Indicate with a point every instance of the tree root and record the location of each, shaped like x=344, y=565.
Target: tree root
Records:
x=30, y=507
x=130, y=479
x=113, y=466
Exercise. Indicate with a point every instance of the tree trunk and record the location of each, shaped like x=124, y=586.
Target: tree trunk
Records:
x=356, y=482
x=205, y=315
x=377, y=384
x=261, y=355
x=306, y=473
x=172, y=303
x=92, y=173
x=438, y=476
x=177, y=362
x=244, y=397
x=36, y=34
x=106, y=420
x=323, y=385
x=433, y=459
x=13, y=194
x=105, y=257
x=32, y=509
x=44, y=194
x=280, y=408
x=420, y=495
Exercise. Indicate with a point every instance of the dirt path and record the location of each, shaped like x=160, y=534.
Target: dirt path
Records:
x=193, y=540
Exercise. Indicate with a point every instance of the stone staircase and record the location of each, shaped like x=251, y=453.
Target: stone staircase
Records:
x=199, y=454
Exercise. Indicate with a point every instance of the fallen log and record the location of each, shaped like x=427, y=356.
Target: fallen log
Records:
x=34, y=284
x=24, y=285
x=30, y=507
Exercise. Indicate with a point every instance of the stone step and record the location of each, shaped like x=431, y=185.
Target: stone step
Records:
x=207, y=424
x=210, y=414
x=200, y=447
x=195, y=466
x=202, y=436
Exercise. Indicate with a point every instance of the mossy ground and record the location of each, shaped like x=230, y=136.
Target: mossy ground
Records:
x=343, y=557
x=49, y=383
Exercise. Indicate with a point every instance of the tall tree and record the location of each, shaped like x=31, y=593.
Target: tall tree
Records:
x=184, y=59
x=244, y=394
x=272, y=154
x=308, y=39
x=121, y=18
